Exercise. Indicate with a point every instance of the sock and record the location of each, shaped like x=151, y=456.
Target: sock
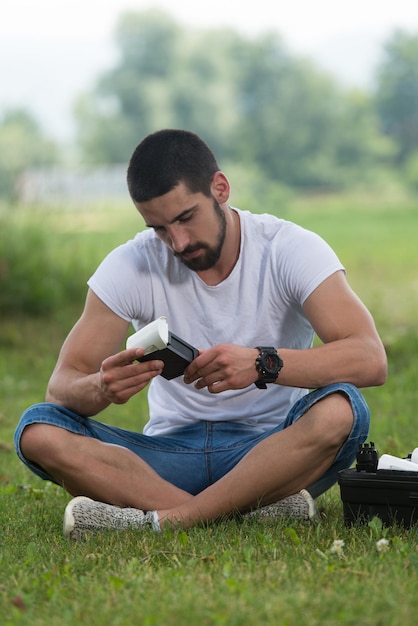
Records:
x=155, y=522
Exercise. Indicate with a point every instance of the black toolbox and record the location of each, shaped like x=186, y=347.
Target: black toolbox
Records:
x=367, y=492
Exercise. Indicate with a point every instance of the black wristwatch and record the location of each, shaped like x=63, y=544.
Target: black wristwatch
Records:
x=268, y=365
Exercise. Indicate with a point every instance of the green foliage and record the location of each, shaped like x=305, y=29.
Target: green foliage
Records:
x=410, y=170
x=22, y=145
x=397, y=93
x=251, y=190
x=48, y=254
x=299, y=127
x=255, y=103
x=129, y=98
x=249, y=99
x=39, y=273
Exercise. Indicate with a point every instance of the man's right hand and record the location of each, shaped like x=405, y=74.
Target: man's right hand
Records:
x=91, y=371
x=122, y=375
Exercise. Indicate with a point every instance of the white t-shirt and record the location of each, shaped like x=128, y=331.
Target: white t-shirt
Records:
x=258, y=304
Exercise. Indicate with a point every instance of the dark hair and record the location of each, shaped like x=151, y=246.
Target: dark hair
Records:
x=167, y=157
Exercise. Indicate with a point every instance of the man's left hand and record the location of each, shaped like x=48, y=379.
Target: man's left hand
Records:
x=223, y=367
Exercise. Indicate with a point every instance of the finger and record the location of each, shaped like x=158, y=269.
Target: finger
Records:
x=122, y=372
x=218, y=387
x=135, y=377
x=195, y=369
x=209, y=379
x=125, y=357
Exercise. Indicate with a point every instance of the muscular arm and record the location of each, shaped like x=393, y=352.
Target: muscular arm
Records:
x=91, y=372
x=351, y=350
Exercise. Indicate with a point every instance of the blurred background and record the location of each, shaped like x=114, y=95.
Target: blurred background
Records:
x=301, y=96
x=310, y=107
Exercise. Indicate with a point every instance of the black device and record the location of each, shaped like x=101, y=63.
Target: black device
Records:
x=176, y=356
x=268, y=365
x=367, y=492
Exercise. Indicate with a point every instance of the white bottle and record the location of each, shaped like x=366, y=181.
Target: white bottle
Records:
x=152, y=337
x=389, y=462
x=414, y=456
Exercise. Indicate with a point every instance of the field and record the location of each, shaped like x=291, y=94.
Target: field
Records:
x=238, y=571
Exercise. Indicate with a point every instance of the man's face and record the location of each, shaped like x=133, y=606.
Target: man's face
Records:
x=192, y=225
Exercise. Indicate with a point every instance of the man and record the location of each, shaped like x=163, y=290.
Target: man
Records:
x=239, y=431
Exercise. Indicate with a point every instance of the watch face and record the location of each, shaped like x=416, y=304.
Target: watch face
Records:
x=270, y=363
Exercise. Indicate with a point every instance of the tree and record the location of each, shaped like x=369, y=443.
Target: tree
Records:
x=22, y=145
x=128, y=98
x=297, y=124
x=248, y=98
x=165, y=77
x=397, y=93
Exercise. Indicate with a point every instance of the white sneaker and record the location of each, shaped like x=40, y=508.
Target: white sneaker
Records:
x=299, y=506
x=84, y=514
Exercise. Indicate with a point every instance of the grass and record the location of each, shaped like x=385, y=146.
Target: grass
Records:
x=237, y=571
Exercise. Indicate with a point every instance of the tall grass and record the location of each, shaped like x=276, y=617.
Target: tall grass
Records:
x=46, y=257
x=237, y=571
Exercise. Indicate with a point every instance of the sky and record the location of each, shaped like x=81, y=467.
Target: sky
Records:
x=53, y=50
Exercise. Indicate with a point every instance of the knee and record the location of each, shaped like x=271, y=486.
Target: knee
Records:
x=334, y=418
x=39, y=443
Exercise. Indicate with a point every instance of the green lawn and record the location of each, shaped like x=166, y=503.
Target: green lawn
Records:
x=238, y=571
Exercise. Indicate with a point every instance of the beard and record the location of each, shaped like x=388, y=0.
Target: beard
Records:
x=210, y=254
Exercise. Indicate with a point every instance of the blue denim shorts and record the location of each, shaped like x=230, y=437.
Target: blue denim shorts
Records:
x=195, y=456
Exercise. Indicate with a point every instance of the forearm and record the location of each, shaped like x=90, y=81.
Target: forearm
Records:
x=118, y=378
x=78, y=392
x=360, y=361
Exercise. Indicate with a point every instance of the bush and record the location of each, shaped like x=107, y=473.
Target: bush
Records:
x=411, y=171
x=37, y=276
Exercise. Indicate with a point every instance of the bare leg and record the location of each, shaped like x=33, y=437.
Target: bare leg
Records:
x=105, y=472
x=279, y=466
